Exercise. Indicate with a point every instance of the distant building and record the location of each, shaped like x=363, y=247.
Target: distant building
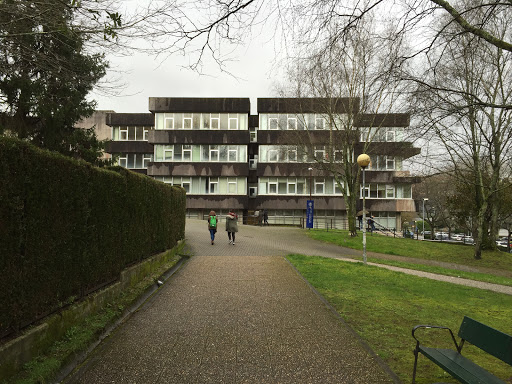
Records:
x=227, y=159
x=98, y=121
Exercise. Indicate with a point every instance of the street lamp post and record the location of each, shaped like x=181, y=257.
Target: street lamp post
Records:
x=310, y=171
x=364, y=160
x=424, y=199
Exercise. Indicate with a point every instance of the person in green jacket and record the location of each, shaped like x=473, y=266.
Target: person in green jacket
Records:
x=231, y=226
x=212, y=225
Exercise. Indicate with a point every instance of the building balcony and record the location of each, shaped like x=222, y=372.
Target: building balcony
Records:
x=198, y=169
x=128, y=147
x=189, y=136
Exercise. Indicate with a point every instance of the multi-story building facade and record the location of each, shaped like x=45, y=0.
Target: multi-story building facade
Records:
x=227, y=159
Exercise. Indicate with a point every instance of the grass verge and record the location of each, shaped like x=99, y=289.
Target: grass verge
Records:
x=382, y=306
x=78, y=338
x=444, y=252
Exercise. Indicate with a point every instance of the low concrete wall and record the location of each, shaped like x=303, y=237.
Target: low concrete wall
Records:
x=37, y=338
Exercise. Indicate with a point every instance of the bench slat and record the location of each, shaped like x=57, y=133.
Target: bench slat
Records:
x=460, y=367
x=490, y=340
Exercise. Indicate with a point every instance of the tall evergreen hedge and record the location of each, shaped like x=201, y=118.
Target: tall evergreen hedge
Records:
x=67, y=228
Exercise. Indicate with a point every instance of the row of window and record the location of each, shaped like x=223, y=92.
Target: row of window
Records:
x=280, y=186
x=382, y=134
x=208, y=185
x=201, y=153
x=299, y=186
x=215, y=121
x=131, y=133
x=134, y=160
x=307, y=121
x=386, y=191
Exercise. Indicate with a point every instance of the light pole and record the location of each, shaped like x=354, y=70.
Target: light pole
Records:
x=424, y=199
x=310, y=171
x=364, y=160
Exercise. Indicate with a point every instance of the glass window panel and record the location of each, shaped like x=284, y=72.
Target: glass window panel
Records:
x=282, y=187
x=407, y=191
x=232, y=187
x=223, y=153
x=292, y=155
x=373, y=191
x=214, y=121
x=273, y=155
x=169, y=123
x=381, y=191
x=272, y=188
x=148, y=157
x=123, y=134
x=292, y=123
x=292, y=188
x=233, y=121
x=178, y=121
x=214, y=153
x=301, y=187
x=232, y=154
x=131, y=160
x=159, y=152
x=168, y=151
x=122, y=161
x=187, y=152
x=177, y=152
x=159, y=121
x=131, y=133
x=282, y=122
x=319, y=122
x=273, y=123
x=390, y=163
x=224, y=121
x=138, y=160
x=196, y=121
x=187, y=121
x=390, y=191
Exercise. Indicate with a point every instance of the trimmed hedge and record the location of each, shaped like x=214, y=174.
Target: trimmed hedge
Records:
x=67, y=228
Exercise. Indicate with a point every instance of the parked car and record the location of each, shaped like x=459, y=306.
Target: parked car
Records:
x=468, y=240
x=441, y=236
x=457, y=237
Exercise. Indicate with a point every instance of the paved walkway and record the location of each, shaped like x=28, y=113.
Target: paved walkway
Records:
x=237, y=314
x=234, y=314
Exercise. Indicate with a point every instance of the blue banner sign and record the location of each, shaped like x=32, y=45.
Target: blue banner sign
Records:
x=309, y=213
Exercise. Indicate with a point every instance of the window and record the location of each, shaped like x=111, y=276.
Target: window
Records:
x=365, y=191
x=337, y=189
x=273, y=155
x=187, y=121
x=292, y=123
x=186, y=185
x=273, y=123
x=147, y=158
x=390, y=135
x=319, y=186
x=292, y=188
x=169, y=123
x=381, y=191
x=253, y=191
x=214, y=185
x=214, y=120
x=131, y=161
x=254, y=136
x=390, y=163
x=233, y=121
x=232, y=154
x=214, y=153
x=292, y=155
x=338, y=156
x=390, y=191
x=319, y=123
x=123, y=133
x=272, y=188
x=168, y=152
x=232, y=186
x=131, y=133
x=187, y=152
x=319, y=153
x=122, y=160
x=145, y=132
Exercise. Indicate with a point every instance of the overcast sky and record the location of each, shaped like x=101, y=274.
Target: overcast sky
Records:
x=146, y=76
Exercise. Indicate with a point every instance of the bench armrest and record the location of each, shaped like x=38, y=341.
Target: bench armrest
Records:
x=457, y=346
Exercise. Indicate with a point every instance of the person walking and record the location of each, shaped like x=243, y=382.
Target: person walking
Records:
x=265, y=217
x=212, y=225
x=231, y=226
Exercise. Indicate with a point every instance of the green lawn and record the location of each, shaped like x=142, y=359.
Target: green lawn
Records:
x=450, y=253
x=383, y=306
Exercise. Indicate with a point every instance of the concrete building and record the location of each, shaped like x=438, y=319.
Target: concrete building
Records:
x=227, y=159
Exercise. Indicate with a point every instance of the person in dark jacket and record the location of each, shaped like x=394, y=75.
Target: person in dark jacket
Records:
x=231, y=226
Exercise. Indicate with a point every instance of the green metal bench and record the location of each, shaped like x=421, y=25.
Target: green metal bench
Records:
x=490, y=340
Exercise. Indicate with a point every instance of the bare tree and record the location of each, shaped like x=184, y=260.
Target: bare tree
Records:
x=353, y=88
x=460, y=100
